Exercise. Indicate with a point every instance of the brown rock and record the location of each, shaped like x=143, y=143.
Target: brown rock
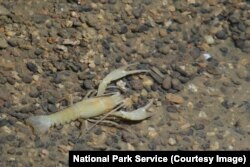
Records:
x=174, y=98
x=166, y=83
x=5, y=95
x=187, y=70
x=163, y=33
x=176, y=84
x=212, y=70
x=136, y=84
x=3, y=43
x=6, y=64
x=26, y=78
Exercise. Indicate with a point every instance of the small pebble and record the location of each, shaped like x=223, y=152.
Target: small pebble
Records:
x=4, y=11
x=174, y=98
x=162, y=32
x=142, y=28
x=34, y=93
x=209, y=39
x=26, y=78
x=152, y=132
x=44, y=152
x=215, y=145
x=156, y=77
x=221, y=35
x=207, y=56
x=166, y=83
x=92, y=65
x=13, y=42
x=196, y=52
x=241, y=73
x=121, y=85
x=88, y=84
x=85, y=8
x=183, y=79
x=171, y=141
x=176, y=84
x=11, y=80
x=199, y=126
x=38, y=51
x=3, y=122
x=202, y=115
x=211, y=69
x=11, y=151
x=130, y=147
x=136, y=84
x=3, y=80
x=32, y=67
x=227, y=104
x=172, y=109
x=3, y=43
x=144, y=93
x=123, y=29
x=52, y=108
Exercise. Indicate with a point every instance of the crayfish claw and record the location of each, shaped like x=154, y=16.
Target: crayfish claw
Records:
x=115, y=75
x=136, y=115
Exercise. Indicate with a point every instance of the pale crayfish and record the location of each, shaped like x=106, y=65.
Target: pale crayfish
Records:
x=94, y=106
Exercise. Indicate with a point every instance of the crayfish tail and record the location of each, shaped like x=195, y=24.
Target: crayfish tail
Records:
x=40, y=124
